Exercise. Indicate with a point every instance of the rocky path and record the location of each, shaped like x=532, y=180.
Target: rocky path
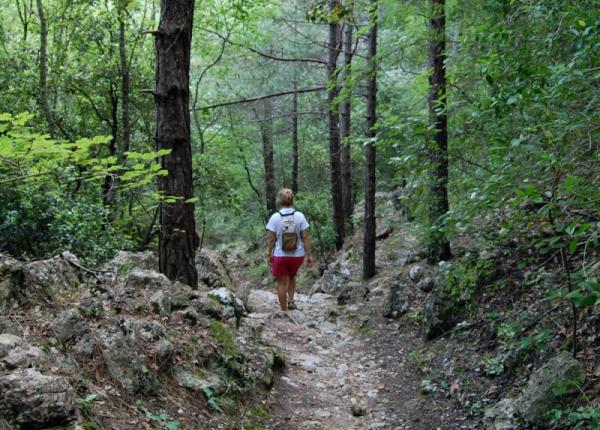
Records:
x=345, y=369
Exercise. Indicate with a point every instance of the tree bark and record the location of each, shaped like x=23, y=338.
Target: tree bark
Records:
x=266, y=133
x=108, y=190
x=177, y=239
x=43, y=69
x=438, y=245
x=334, y=132
x=346, y=124
x=124, y=85
x=370, y=178
x=295, y=140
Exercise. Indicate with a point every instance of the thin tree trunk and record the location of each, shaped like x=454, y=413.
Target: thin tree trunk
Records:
x=124, y=84
x=43, y=68
x=370, y=179
x=108, y=190
x=334, y=132
x=438, y=245
x=177, y=239
x=346, y=124
x=295, y=140
x=266, y=132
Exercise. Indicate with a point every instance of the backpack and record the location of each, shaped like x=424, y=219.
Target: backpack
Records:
x=289, y=237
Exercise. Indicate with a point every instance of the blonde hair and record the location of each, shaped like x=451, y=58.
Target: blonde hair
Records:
x=285, y=197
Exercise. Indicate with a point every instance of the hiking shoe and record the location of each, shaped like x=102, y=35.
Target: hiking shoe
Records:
x=292, y=305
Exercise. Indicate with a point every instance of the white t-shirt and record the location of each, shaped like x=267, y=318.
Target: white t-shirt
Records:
x=274, y=225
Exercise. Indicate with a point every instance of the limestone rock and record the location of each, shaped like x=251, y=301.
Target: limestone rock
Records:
x=549, y=386
x=397, y=302
x=441, y=312
x=22, y=357
x=44, y=277
x=139, y=279
x=415, y=273
x=8, y=342
x=69, y=325
x=334, y=277
x=122, y=360
x=352, y=292
x=36, y=401
x=502, y=416
x=426, y=284
x=172, y=297
x=85, y=346
x=124, y=261
x=230, y=305
x=407, y=257
x=211, y=270
x=195, y=382
x=11, y=277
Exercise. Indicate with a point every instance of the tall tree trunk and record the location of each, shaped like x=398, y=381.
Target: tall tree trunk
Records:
x=266, y=133
x=108, y=190
x=438, y=245
x=370, y=179
x=178, y=239
x=124, y=84
x=346, y=123
x=43, y=68
x=295, y=140
x=334, y=132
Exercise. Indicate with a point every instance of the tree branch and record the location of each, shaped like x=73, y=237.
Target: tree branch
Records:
x=264, y=54
x=268, y=96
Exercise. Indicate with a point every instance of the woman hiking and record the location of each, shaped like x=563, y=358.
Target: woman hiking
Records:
x=288, y=244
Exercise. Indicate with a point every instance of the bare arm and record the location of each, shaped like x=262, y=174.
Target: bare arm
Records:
x=308, y=248
x=270, y=244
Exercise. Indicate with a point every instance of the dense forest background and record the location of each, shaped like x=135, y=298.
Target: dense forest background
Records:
x=522, y=119
x=478, y=119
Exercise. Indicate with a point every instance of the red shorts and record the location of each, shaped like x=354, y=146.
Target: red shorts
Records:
x=285, y=266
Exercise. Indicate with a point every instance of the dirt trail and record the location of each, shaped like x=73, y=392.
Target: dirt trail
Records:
x=346, y=368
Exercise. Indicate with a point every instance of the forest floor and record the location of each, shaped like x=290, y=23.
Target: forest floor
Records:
x=347, y=367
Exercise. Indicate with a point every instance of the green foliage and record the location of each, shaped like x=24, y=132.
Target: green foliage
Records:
x=584, y=417
x=469, y=274
x=51, y=200
x=225, y=337
x=213, y=401
x=161, y=419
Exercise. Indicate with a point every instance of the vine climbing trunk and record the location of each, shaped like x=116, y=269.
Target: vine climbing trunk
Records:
x=346, y=122
x=334, y=132
x=370, y=156
x=438, y=245
x=177, y=239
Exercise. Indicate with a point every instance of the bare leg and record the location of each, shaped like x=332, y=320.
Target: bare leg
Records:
x=282, y=284
x=291, y=288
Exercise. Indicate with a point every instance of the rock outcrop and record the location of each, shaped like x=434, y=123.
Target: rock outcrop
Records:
x=336, y=275
x=36, y=401
x=549, y=386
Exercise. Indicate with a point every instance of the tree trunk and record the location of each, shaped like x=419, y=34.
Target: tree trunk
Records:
x=334, y=132
x=43, y=68
x=346, y=123
x=266, y=133
x=295, y=140
x=108, y=190
x=124, y=85
x=370, y=179
x=438, y=245
x=177, y=240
